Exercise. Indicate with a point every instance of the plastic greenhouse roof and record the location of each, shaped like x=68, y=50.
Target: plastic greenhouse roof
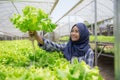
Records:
x=85, y=10
x=10, y=7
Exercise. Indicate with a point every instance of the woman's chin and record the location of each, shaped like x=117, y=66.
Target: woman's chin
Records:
x=74, y=40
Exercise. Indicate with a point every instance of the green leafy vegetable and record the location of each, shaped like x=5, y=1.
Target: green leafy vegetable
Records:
x=33, y=19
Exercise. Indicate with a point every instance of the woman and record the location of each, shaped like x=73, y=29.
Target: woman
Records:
x=77, y=46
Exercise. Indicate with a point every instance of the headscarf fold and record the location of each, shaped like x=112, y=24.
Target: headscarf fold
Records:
x=80, y=47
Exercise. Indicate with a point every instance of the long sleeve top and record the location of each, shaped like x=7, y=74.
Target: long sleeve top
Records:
x=52, y=46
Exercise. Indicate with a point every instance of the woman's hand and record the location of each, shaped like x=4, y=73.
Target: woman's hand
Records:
x=32, y=33
x=34, y=36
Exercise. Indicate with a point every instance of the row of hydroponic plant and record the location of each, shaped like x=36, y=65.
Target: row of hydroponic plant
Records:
x=18, y=61
x=92, y=38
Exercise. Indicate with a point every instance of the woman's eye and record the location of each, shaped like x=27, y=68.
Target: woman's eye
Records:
x=76, y=31
x=71, y=30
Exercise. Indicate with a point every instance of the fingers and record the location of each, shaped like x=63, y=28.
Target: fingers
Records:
x=35, y=33
x=32, y=33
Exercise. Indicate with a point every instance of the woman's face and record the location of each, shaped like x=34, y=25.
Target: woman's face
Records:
x=74, y=34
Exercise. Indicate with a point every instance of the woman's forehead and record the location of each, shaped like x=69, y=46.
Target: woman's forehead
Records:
x=75, y=27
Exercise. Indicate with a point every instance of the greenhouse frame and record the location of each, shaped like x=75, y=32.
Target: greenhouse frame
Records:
x=102, y=17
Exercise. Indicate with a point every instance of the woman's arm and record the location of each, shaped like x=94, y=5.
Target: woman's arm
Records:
x=51, y=46
x=47, y=44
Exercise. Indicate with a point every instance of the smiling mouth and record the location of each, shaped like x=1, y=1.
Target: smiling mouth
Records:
x=74, y=38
